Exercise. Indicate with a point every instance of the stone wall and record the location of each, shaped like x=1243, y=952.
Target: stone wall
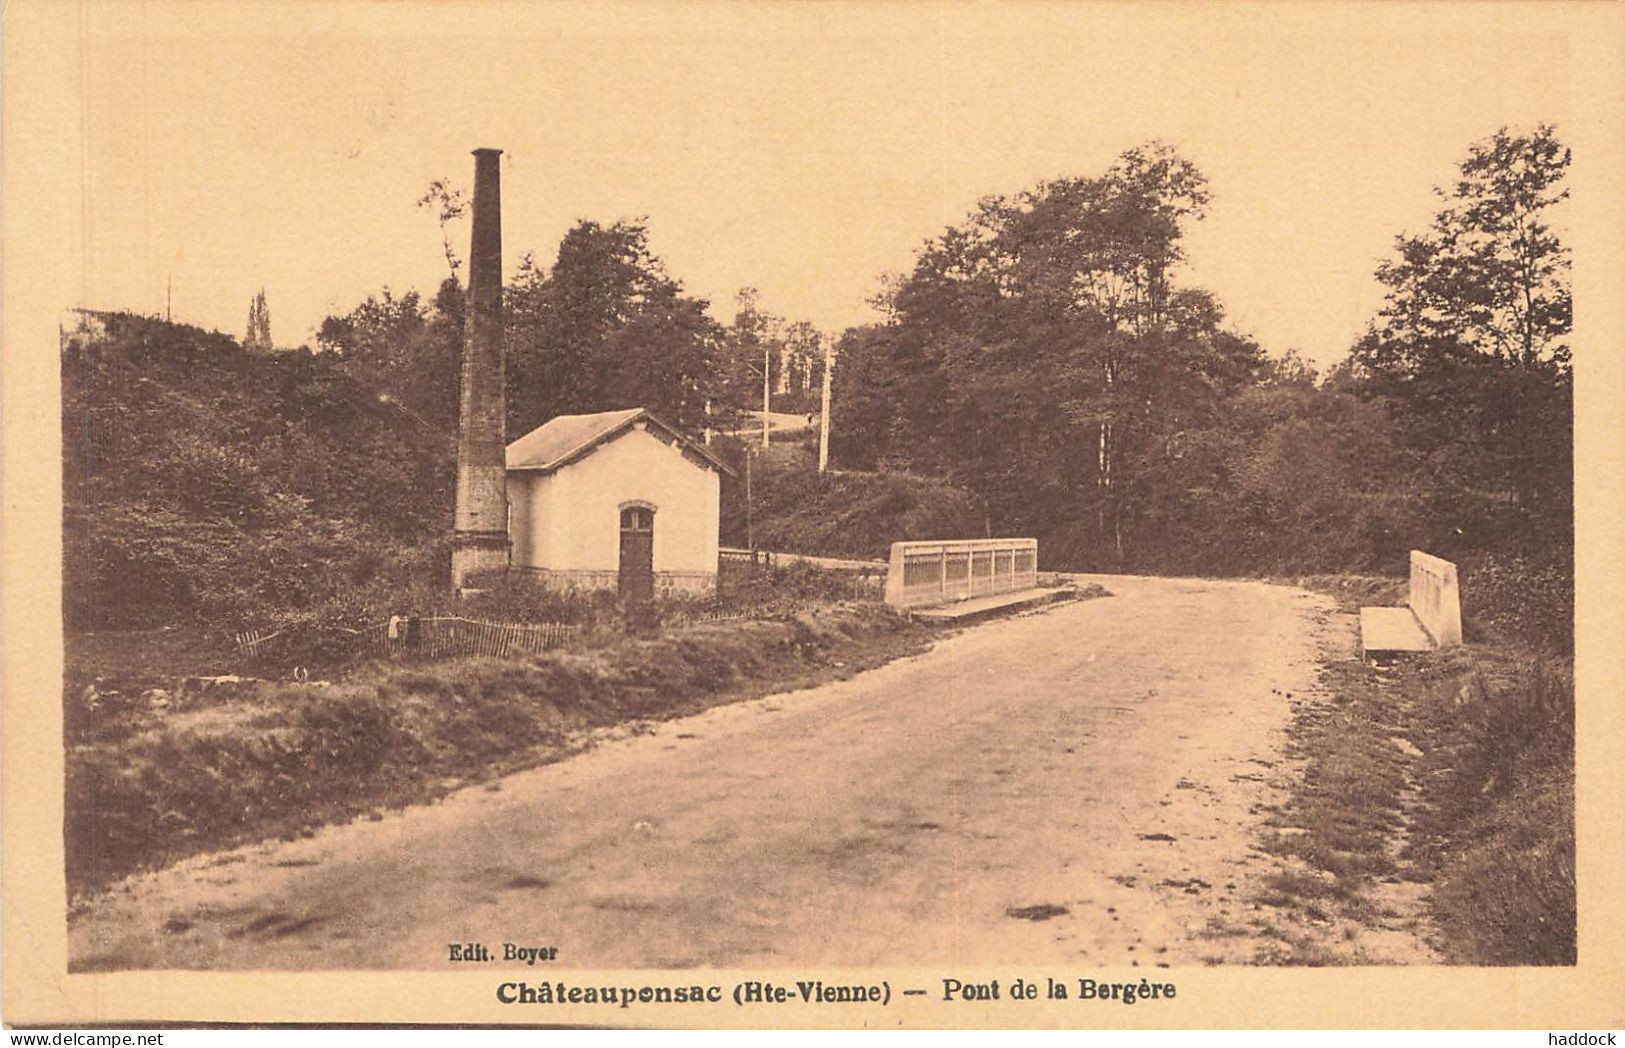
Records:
x=666, y=582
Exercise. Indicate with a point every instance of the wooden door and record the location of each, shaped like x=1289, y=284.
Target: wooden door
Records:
x=637, y=580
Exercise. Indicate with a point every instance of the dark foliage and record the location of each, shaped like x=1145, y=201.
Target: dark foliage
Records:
x=1528, y=601
x=1042, y=357
x=204, y=484
x=606, y=328
x=839, y=514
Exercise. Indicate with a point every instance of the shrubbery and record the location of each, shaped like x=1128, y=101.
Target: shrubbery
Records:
x=788, y=587
x=213, y=487
x=1529, y=602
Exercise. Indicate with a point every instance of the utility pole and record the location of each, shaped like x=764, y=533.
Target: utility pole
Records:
x=823, y=427
x=767, y=402
x=750, y=530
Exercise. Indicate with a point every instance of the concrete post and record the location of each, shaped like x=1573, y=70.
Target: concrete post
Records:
x=896, y=592
x=480, y=539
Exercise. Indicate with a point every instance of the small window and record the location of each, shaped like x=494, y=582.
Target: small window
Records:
x=636, y=518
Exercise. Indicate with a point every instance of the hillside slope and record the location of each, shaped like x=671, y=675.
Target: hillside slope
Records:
x=209, y=486
x=796, y=509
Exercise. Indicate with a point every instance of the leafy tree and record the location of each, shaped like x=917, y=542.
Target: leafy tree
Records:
x=802, y=367
x=1490, y=276
x=407, y=351
x=863, y=398
x=605, y=328
x=752, y=341
x=1042, y=354
x=258, y=338
x=1472, y=345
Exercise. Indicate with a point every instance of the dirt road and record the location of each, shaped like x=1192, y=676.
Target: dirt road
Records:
x=1083, y=783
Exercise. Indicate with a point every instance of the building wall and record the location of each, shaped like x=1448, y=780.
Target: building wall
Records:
x=568, y=523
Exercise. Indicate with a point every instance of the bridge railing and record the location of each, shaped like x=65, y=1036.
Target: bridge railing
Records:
x=922, y=573
x=1435, y=598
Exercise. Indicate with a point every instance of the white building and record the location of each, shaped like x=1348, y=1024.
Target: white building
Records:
x=617, y=499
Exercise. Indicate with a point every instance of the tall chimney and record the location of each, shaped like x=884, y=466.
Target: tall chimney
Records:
x=480, y=542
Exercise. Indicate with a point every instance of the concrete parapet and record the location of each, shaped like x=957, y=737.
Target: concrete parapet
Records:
x=1435, y=597
x=925, y=573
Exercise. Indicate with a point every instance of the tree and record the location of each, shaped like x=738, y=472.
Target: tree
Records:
x=1472, y=345
x=1043, y=354
x=751, y=342
x=258, y=337
x=448, y=204
x=865, y=396
x=1490, y=276
x=802, y=370
x=405, y=350
x=792, y=352
x=606, y=328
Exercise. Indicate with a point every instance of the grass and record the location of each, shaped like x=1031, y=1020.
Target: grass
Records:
x=1499, y=836
x=140, y=659
x=154, y=777
x=1454, y=769
x=1349, y=801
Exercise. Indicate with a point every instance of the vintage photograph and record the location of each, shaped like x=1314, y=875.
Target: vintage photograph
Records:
x=548, y=490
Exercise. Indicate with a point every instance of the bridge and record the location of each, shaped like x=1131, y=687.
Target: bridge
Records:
x=952, y=580
x=1430, y=618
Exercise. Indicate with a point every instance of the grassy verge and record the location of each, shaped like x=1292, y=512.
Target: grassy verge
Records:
x=1453, y=770
x=159, y=775
x=1498, y=834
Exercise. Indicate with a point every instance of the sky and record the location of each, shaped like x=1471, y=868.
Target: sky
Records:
x=804, y=150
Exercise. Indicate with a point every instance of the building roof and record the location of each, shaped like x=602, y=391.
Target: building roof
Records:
x=562, y=440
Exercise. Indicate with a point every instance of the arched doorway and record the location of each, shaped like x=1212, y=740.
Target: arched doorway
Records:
x=637, y=578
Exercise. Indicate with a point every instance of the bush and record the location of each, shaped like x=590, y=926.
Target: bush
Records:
x=787, y=587
x=207, y=486
x=518, y=597
x=1522, y=600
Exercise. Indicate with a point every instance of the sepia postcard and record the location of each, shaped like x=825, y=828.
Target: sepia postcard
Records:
x=813, y=514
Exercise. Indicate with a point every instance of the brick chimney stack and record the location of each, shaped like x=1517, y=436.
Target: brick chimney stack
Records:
x=480, y=542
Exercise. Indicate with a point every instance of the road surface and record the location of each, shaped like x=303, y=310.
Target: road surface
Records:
x=777, y=422
x=1081, y=784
